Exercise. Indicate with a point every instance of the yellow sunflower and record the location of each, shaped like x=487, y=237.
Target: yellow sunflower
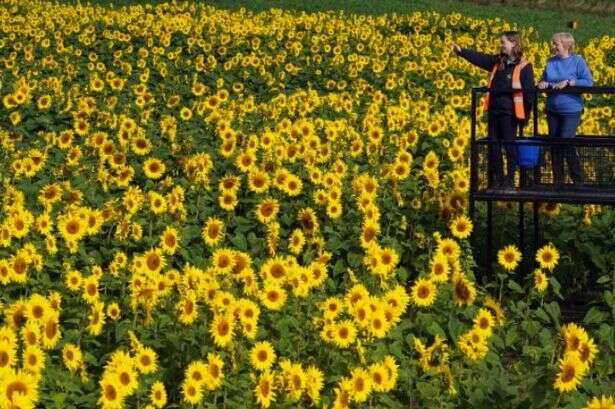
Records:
x=214, y=366
x=292, y=185
x=113, y=311
x=71, y=355
x=7, y=354
x=540, y=280
x=33, y=359
x=169, y=240
x=228, y=201
x=547, y=256
x=158, y=394
x=187, y=307
x=15, y=383
x=334, y=209
x=314, y=381
x=44, y=102
x=145, y=360
x=111, y=396
x=157, y=202
x=275, y=269
x=379, y=325
x=262, y=355
x=296, y=241
x=484, y=322
x=192, y=392
x=378, y=376
x=361, y=385
x=154, y=168
x=96, y=319
x=464, y=291
x=569, y=376
x=258, y=181
x=344, y=334
x=461, y=227
x=72, y=228
x=223, y=260
x=265, y=389
x=213, y=231
x=424, y=292
x=587, y=351
x=221, y=329
x=154, y=261
x=185, y=113
x=603, y=402
x=509, y=257
x=439, y=267
x=273, y=296
x=267, y=210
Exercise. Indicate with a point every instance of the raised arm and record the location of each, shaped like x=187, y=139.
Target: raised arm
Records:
x=484, y=61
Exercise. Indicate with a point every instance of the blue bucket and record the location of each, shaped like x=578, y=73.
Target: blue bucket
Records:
x=528, y=152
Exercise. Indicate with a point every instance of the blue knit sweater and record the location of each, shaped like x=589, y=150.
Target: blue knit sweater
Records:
x=559, y=69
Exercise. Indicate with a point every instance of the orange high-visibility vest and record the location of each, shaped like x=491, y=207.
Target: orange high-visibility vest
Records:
x=516, y=84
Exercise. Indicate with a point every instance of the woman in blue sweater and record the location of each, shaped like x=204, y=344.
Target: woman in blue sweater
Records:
x=565, y=69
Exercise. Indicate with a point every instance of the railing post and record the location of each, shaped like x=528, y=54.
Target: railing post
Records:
x=537, y=174
x=535, y=113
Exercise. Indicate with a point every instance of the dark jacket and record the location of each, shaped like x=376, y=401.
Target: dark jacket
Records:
x=500, y=101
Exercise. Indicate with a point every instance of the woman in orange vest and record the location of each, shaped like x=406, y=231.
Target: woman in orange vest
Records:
x=508, y=102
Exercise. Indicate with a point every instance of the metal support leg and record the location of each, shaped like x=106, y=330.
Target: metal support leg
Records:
x=488, y=264
x=536, y=228
x=522, y=235
x=472, y=237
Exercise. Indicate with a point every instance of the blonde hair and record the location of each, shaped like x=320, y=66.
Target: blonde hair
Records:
x=567, y=40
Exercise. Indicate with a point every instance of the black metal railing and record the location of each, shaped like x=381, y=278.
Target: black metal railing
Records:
x=573, y=170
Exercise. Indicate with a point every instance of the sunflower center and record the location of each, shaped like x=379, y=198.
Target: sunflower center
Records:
x=568, y=373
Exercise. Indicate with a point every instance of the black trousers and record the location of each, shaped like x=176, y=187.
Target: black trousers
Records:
x=503, y=129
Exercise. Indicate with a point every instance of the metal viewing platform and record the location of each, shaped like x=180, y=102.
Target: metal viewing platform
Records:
x=577, y=170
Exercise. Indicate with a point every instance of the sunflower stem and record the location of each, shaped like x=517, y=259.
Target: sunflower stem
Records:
x=559, y=397
x=198, y=205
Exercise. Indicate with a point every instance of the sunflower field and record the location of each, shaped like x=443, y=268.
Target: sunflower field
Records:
x=225, y=209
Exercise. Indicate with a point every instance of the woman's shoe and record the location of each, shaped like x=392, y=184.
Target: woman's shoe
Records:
x=507, y=183
x=579, y=184
x=496, y=182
